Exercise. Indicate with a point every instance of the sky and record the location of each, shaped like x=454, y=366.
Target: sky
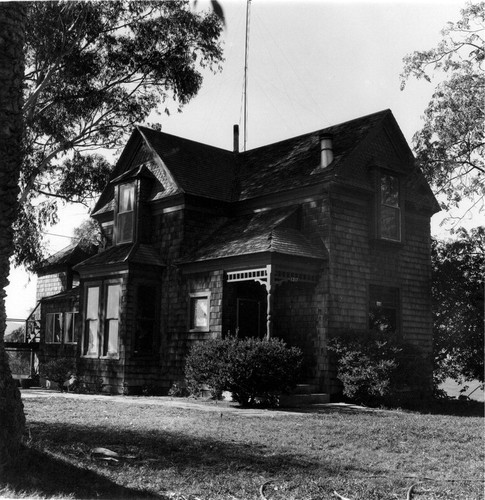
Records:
x=311, y=64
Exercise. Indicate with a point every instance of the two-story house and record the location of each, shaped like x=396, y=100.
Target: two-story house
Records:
x=301, y=239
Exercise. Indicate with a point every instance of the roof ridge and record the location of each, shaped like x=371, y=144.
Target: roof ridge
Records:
x=383, y=112
x=210, y=146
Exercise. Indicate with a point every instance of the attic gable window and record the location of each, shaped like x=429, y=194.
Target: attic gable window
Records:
x=125, y=218
x=389, y=222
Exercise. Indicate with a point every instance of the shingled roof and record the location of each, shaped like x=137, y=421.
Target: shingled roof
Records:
x=123, y=254
x=68, y=256
x=262, y=232
x=181, y=165
x=185, y=166
x=295, y=161
x=197, y=168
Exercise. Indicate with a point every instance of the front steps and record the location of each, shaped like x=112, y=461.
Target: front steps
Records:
x=303, y=395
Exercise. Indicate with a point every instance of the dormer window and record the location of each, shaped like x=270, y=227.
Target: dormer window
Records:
x=125, y=219
x=389, y=217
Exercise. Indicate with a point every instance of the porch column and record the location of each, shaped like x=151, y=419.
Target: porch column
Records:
x=270, y=284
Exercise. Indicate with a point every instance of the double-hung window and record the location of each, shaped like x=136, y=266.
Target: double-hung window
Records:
x=111, y=327
x=60, y=328
x=91, y=326
x=389, y=216
x=53, y=330
x=101, y=327
x=125, y=218
x=69, y=327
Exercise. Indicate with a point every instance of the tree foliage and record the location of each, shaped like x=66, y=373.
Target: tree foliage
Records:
x=458, y=304
x=88, y=234
x=450, y=148
x=93, y=70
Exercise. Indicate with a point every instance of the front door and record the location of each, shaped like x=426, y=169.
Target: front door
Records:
x=248, y=318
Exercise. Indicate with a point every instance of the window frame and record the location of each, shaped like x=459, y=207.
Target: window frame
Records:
x=105, y=333
x=117, y=226
x=102, y=347
x=206, y=294
x=382, y=289
x=61, y=330
x=85, y=340
x=381, y=206
x=75, y=316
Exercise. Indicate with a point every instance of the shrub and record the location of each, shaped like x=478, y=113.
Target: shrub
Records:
x=58, y=370
x=375, y=369
x=251, y=369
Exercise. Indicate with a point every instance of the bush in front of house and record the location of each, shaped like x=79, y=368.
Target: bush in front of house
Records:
x=375, y=369
x=253, y=370
x=58, y=370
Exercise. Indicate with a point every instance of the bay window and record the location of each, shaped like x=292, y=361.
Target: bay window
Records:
x=91, y=328
x=101, y=327
x=111, y=329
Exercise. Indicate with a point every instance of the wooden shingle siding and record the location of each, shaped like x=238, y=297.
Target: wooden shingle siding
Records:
x=51, y=284
x=204, y=212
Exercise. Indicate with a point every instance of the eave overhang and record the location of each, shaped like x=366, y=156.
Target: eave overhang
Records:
x=290, y=263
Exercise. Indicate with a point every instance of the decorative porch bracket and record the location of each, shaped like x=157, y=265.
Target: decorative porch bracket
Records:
x=270, y=278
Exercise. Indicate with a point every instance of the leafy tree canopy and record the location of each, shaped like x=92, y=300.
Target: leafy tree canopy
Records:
x=458, y=304
x=93, y=70
x=450, y=148
x=87, y=234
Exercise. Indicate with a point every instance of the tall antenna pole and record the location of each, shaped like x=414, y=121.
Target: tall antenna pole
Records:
x=246, y=50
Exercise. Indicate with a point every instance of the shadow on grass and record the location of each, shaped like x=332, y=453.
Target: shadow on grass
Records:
x=40, y=474
x=157, y=450
x=451, y=407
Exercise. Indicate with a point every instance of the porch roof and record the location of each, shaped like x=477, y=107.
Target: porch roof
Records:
x=263, y=232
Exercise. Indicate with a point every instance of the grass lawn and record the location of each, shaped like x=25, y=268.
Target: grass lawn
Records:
x=192, y=453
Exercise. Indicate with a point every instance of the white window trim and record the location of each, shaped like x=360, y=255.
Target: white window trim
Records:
x=118, y=213
x=109, y=355
x=198, y=295
x=84, y=354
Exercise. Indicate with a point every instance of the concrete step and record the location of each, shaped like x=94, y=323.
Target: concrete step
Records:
x=296, y=400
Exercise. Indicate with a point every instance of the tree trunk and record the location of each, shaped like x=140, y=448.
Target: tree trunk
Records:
x=12, y=26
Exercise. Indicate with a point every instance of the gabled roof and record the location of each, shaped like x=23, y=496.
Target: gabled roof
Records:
x=263, y=232
x=68, y=256
x=185, y=166
x=294, y=162
x=197, y=168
